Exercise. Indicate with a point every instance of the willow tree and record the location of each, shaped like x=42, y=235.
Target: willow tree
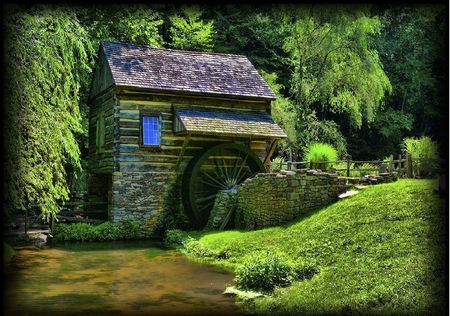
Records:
x=46, y=53
x=188, y=31
x=334, y=64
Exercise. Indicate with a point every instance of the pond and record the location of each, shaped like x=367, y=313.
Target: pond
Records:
x=118, y=278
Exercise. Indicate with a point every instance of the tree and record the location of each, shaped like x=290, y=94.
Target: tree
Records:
x=335, y=66
x=189, y=32
x=46, y=52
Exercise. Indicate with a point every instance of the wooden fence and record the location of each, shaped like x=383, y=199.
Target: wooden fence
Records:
x=407, y=167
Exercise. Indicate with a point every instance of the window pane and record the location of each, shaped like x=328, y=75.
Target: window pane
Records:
x=150, y=130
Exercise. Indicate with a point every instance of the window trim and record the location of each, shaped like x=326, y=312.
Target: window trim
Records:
x=156, y=114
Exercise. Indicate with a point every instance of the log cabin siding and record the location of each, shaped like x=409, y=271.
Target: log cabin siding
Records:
x=102, y=159
x=133, y=157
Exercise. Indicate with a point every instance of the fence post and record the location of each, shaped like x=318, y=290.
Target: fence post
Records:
x=399, y=167
x=289, y=165
x=409, y=166
x=349, y=158
x=391, y=163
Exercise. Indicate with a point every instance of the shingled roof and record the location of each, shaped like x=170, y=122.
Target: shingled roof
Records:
x=185, y=71
x=229, y=122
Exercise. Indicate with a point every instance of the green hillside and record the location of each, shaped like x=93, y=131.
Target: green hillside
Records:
x=379, y=251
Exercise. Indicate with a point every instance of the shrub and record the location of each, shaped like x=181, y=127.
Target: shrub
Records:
x=276, y=164
x=305, y=270
x=107, y=231
x=176, y=237
x=130, y=228
x=263, y=272
x=320, y=152
x=195, y=248
x=74, y=232
x=421, y=148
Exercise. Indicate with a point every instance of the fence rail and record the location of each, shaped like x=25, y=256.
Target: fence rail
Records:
x=407, y=167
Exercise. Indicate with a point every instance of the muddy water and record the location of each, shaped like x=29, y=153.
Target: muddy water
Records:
x=133, y=278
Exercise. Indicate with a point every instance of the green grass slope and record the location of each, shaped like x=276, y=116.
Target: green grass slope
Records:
x=380, y=251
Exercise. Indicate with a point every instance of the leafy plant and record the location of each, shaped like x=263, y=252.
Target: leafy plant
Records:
x=318, y=154
x=424, y=152
x=265, y=271
x=276, y=164
x=195, y=248
x=130, y=228
x=176, y=237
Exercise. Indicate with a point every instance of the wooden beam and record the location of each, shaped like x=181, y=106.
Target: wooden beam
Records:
x=180, y=157
x=271, y=150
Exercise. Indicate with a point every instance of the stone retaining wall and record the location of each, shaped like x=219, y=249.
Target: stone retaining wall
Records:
x=271, y=199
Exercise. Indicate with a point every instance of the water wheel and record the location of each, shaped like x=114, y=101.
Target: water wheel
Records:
x=220, y=167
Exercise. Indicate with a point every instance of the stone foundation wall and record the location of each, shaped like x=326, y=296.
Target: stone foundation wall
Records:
x=146, y=196
x=271, y=199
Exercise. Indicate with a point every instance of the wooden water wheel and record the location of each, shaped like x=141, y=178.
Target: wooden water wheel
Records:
x=220, y=167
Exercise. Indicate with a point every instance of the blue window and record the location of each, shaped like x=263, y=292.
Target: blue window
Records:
x=150, y=130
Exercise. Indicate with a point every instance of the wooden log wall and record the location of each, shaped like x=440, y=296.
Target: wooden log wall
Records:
x=101, y=160
x=131, y=156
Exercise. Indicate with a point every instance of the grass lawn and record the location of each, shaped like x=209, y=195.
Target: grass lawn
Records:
x=380, y=251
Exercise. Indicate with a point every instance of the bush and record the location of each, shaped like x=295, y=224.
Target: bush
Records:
x=130, y=228
x=195, y=248
x=276, y=164
x=421, y=148
x=264, y=272
x=176, y=237
x=107, y=231
x=320, y=152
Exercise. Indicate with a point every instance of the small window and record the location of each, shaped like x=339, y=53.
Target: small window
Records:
x=150, y=131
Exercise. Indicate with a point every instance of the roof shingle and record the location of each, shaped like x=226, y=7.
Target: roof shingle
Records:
x=229, y=122
x=195, y=72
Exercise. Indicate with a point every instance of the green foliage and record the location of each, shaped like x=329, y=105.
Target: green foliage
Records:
x=107, y=231
x=317, y=153
x=425, y=152
x=276, y=164
x=46, y=53
x=378, y=252
x=193, y=247
x=264, y=272
x=334, y=61
x=189, y=32
x=176, y=237
x=301, y=124
x=136, y=24
x=130, y=228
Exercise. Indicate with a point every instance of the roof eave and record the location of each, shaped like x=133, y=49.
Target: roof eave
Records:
x=195, y=93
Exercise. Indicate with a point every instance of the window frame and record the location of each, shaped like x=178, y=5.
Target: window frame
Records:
x=143, y=114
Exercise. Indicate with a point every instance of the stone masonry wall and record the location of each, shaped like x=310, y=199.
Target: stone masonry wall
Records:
x=271, y=199
x=145, y=196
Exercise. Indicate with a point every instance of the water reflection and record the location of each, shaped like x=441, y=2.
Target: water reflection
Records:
x=120, y=278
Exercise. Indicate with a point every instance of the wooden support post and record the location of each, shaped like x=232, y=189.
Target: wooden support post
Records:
x=26, y=221
x=391, y=163
x=409, y=173
x=52, y=225
x=270, y=153
x=399, y=167
x=180, y=157
x=349, y=159
x=289, y=165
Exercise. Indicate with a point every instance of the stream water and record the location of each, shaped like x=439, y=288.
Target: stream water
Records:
x=119, y=278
